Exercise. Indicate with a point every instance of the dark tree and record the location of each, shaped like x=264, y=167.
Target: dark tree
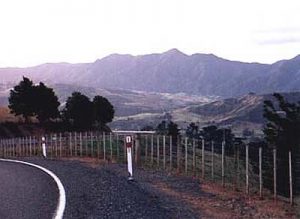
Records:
x=162, y=128
x=45, y=103
x=79, y=111
x=21, y=101
x=103, y=111
x=282, y=132
x=192, y=131
x=147, y=128
x=165, y=128
x=173, y=129
x=283, y=124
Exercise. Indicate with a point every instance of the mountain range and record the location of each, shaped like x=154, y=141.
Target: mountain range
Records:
x=169, y=72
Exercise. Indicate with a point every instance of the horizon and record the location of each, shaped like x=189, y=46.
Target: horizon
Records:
x=136, y=55
x=76, y=31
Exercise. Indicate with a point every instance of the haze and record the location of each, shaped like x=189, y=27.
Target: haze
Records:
x=35, y=31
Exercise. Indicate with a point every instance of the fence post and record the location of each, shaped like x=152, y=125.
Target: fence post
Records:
x=111, y=147
x=203, y=159
x=137, y=149
x=223, y=168
x=157, y=146
x=260, y=172
x=60, y=144
x=152, y=145
x=56, y=145
x=212, y=160
x=186, y=154
x=247, y=169
x=194, y=156
x=274, y=173
x=75, y=144
x=290, y=177
x=117, y=145
x=146, y=148
x=171, y=152
x=178, y=153
x=164, y=151
x=104, y=147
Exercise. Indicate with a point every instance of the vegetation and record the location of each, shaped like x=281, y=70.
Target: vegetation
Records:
x=282, y=132
x=167, y=128
x=29, y=100
x=40, y=102
x=82, y=114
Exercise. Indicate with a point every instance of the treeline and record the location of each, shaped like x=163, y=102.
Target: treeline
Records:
x=39, y=104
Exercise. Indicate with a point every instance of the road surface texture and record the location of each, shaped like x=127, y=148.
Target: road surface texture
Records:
x=105, y=192
x=26, y=192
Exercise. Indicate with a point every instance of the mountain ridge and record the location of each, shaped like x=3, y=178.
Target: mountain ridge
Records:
x=172, y=72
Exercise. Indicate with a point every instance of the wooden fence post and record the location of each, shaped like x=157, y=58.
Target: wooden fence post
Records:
x=274, y=173
x=171, y=152
x=137, y=150
x=146, y=148
x=117, y=145
x=212, y=160
x=260, y=172
x=290, y=177
x=104, y=147
x=164, y=151
x=152, y=148
x=223, y=167
x=157, y=146
x=247, y=169
x=178, y=154
x=186, y=154
x=194, y=156
x=203, y=159
x=111, y=146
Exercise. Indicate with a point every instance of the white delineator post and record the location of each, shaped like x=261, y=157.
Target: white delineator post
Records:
x=44, y=147
x=128, y=140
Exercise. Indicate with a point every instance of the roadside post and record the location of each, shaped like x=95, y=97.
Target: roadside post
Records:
x=128, y=140
x=44, y=147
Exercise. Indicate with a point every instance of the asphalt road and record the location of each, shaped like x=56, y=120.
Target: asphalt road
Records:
x=26, y=192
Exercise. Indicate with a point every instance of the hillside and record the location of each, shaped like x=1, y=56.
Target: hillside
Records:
x=169, y=72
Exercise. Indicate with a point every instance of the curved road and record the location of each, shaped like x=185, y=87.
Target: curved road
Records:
x=26, y=192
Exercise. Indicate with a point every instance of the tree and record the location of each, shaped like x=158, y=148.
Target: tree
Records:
x=192, y=131
x=103, y=111
x=162, y=128
x=21, y=99
x=282, y=132
x=79, y=111
x=45, y=103
x=165, y=128
x=173, y=129
x=283, y=123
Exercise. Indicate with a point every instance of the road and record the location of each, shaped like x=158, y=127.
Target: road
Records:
x=26, y=192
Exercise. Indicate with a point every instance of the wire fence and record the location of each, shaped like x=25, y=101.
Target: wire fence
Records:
x=254, y=170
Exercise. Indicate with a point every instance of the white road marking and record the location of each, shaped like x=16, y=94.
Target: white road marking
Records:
x=62, y=194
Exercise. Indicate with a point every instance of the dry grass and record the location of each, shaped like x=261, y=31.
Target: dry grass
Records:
x=6, y=116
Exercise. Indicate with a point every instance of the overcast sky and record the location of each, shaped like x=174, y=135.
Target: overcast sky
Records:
x=39, y=31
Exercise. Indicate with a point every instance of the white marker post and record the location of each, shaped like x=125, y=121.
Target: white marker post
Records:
x=44, y=147
x=128, y=140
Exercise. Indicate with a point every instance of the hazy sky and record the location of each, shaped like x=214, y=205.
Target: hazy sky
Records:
x=38, y=31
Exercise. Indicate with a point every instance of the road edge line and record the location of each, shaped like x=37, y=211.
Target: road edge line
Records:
x=62, y=194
